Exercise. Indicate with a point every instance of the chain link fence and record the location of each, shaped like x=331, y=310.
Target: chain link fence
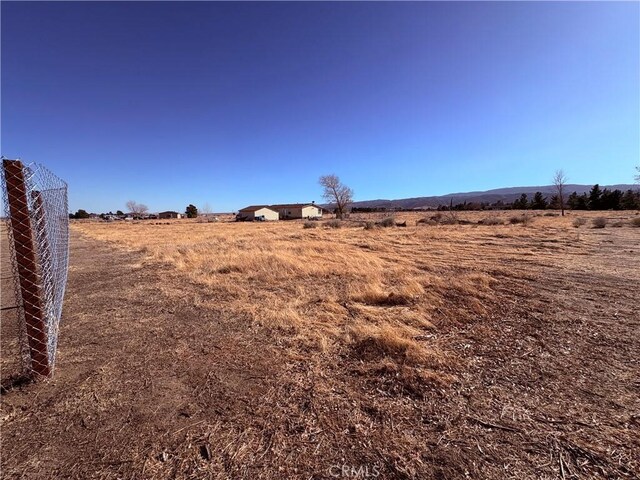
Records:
x=37, y=226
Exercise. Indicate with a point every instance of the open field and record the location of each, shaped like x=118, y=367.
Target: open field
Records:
x=271, y=350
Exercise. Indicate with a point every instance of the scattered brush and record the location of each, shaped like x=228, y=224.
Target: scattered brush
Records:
x=449, y=219
x=599, y=222
x=426, y=221
x=618, y=224
x=635, y=222
x=388, y=222
x=520, y=219
x=491, y=221
x=370, y=225
x=310, y=225
x=578, y=222
x=333, y=224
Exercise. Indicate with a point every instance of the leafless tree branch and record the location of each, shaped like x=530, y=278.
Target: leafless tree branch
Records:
x=560, y=180
x=336, y=192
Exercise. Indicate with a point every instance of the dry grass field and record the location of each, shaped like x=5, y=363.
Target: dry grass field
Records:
x=482, y=349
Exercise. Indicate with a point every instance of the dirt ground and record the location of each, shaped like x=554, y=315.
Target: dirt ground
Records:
x=10, y=358
x=158, y=378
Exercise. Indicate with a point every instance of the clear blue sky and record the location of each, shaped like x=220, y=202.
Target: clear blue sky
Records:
x=243, y=103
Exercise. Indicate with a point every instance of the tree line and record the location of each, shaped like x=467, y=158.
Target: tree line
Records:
x=597, y=199
x=137, y=211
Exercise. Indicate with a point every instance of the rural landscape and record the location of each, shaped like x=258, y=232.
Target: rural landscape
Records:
x=446, y=349
x=320, y=240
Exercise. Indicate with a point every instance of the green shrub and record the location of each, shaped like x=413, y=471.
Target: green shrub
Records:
x=599, y=222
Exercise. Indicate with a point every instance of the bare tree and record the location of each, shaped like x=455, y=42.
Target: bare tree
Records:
x=205, y=209
x=336, y=192
x=560, y=180
x=637, y=177
x=138, y=209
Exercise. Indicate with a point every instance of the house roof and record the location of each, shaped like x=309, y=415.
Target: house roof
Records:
x=278, y=206
x=294, y=205
x=168, y=211
x=253, y=208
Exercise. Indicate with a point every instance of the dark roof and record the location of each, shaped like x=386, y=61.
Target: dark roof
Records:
x=294, y=205
x=168, y=211
x=253, y=208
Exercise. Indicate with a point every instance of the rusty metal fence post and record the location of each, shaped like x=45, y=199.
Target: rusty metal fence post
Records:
x=35, y=204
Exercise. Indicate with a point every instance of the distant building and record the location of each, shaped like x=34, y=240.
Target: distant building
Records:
x=169, y=214
x=298, y=210
x=257, y=212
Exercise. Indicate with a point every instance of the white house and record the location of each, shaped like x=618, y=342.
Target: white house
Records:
x=257, y=212
x=298, y=210
x=169, y=214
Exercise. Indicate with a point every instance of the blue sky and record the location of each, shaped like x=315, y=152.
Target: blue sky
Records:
x=242, y=103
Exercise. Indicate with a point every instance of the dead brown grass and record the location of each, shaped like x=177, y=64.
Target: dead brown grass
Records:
x=384, y=286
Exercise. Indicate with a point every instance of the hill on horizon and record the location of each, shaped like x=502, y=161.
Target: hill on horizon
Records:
x=507, y=195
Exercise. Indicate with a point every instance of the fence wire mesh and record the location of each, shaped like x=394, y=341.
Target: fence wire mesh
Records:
x=37, y=224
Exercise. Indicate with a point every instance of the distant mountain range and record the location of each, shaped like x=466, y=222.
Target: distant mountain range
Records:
x=507, y=195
